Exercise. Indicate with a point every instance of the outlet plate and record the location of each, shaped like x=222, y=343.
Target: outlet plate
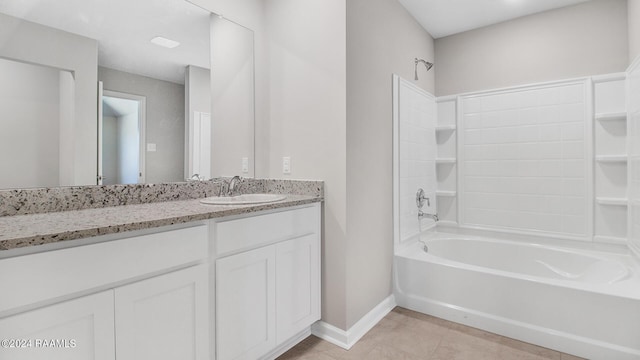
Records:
x=245, y=165
x=286, y=165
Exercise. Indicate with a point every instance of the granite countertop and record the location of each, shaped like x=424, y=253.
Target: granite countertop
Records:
x=21, y=231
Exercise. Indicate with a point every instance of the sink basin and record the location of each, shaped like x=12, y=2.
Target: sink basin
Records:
x=244, y=199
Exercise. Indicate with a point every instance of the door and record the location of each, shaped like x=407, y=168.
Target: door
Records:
x=298, y=285
x=245, y=304
x=79, y=329
x=122, y=138
x=165, y=317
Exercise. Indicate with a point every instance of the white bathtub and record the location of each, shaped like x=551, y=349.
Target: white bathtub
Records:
x=581, y=302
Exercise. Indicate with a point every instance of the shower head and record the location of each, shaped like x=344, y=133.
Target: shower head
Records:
x=427, y=64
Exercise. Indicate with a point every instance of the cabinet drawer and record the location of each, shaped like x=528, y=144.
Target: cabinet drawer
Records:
x=35, y=278
x=246, y=233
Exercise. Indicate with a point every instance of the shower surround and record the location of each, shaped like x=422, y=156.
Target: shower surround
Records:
x=552, y=171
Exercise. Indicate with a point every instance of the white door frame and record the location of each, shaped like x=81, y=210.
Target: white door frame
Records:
x=142, y=125
x=100, y=177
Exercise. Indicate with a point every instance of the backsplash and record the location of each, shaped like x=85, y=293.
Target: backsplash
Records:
x=45, y=200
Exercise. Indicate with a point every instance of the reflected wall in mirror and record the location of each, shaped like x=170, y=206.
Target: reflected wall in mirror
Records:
x=35, y=100
x=81, y=43
x=232, y=88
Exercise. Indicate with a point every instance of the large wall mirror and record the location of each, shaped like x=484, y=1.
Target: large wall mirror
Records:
x=120, y=92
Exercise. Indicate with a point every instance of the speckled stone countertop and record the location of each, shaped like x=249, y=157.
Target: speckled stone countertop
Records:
x=39, y=228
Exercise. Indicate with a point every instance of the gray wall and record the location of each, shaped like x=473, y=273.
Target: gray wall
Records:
x=307, y=120
x=164, y=123
x=29, y=125
x=581, y=40
x=634, y=29
x=382, y=39
x=33, y=43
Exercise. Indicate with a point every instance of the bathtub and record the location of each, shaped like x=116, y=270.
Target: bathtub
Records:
x=578, y=301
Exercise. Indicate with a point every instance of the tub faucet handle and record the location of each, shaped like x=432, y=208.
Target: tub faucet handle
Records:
x=421, y=198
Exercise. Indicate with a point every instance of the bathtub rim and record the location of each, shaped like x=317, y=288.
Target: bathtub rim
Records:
x=623, y=288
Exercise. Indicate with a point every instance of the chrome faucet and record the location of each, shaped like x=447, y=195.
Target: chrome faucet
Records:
x=195, y=177
x=228, y=188
x=421, y=198
x=422, y=215
x=233, y=184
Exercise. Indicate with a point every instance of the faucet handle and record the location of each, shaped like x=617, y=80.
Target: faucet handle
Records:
x=421, y=198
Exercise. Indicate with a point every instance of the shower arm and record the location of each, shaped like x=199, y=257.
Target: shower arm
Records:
x=427, y=64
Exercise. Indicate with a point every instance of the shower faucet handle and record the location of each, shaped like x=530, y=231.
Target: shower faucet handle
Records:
x=421, y=198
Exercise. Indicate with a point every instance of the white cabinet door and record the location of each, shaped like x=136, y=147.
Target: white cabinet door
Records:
x=165, y=317
x=245, y=304
x=298, y=285
x=79, y=329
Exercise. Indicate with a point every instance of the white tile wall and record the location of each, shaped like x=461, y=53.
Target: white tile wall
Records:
x=524, y=160
x=633, y=123
x=418, y=148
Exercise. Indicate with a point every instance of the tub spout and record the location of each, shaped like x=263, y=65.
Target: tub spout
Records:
x=422, y=215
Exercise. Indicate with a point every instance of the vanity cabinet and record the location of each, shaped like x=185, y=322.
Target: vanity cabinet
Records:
x=142, y=297
x=84, y=326
x=245, y=304
x=297, y=285
x=165, y=317
x=267, y=281
x=239, y=287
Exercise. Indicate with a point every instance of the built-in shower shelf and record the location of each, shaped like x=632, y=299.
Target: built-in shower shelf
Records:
x=610, y=240
x=611, y=116
x=612, y=201
x=445, y=128
x=446, y=161
x=446, y=193
x=612, y=158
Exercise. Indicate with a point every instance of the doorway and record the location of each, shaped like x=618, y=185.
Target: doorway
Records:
x=121, y=138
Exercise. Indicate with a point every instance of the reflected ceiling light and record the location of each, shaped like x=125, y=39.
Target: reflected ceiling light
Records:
x=164, y=42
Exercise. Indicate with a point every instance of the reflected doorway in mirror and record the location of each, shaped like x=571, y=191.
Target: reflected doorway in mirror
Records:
x=121, y=138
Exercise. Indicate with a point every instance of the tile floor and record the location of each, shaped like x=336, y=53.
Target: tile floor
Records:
x=408, y=335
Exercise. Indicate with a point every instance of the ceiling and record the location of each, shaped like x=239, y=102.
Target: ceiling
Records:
x=447, y=17
x=124, y=29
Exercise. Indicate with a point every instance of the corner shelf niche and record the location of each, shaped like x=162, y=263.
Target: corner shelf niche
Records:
x=611, y=116
x=442, y=128
x=612, y=201
x=610, y=147
x=611, y=158
x=446, y=160
x=444, y=193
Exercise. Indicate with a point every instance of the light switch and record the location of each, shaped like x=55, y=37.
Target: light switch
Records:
x=286, y=165
x=151, y=147
x=245, y=165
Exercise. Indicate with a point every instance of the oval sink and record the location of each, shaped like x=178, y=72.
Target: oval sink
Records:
x=243, y=199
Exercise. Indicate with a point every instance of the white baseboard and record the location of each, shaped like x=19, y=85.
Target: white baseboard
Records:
x=346, y=339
